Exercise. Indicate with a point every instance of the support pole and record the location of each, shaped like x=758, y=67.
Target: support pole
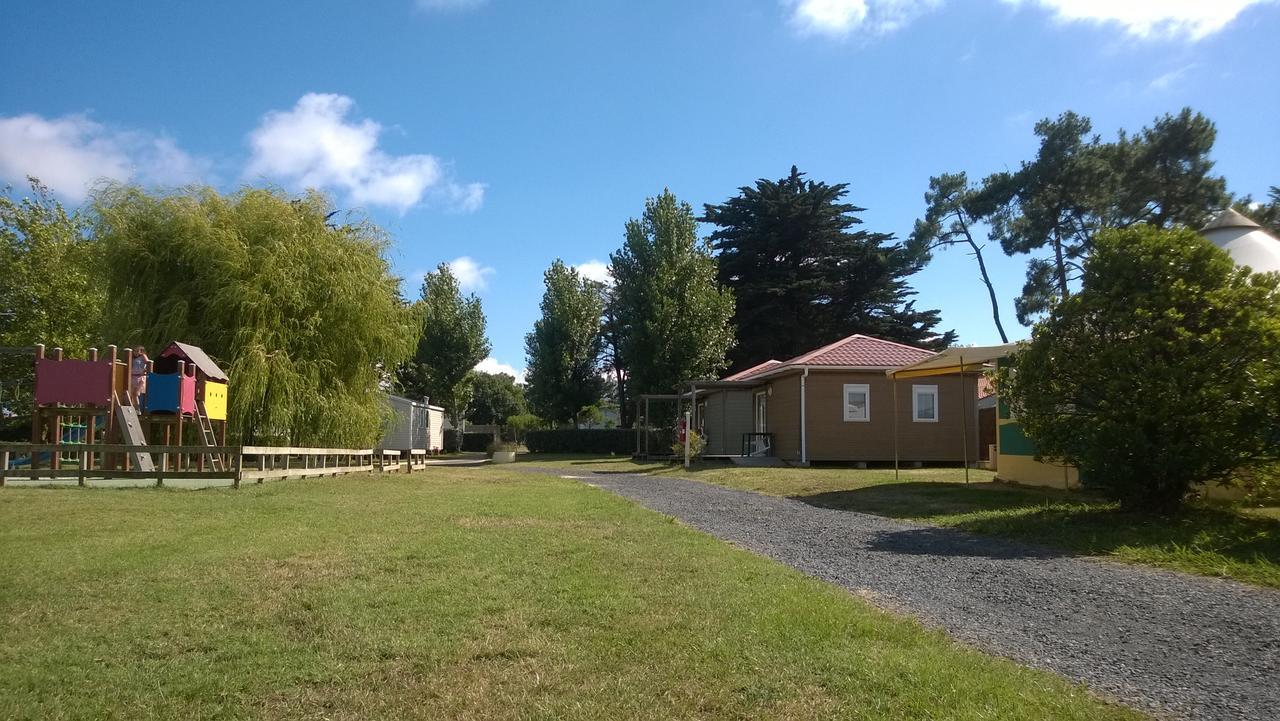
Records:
x=688, y=430
x=646, y=427
x=964, y=419
x=895, y=428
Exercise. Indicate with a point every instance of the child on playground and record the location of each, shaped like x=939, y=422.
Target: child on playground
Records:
x=138, y=375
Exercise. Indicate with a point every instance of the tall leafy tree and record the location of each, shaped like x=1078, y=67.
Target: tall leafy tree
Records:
x=613, y=335
x=303, y=313
x=495, y=398
x=563, y=351
x=803, y=274
x=453, y=341
x=50, y=291
x=1160, y=373
x=949, y=221
x=1078, y=185
x=677, y=320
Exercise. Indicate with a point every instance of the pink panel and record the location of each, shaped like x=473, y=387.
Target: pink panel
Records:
x=187, y=394
x=73, y=382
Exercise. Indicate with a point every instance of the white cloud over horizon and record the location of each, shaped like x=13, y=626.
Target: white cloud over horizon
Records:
x=1142, y=19
x=318, y=144
x=73, y=152
x=493, y=365
x=596, y=270
x=840, y=18
x=472, y=276
x=1149, y=19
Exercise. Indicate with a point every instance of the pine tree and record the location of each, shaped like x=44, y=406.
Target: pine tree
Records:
x=803, y=275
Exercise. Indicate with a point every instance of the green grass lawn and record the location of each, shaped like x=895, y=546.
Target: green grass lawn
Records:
x=454, y=593
x=1211, y=540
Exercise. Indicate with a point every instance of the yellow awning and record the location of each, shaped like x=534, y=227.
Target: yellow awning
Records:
x=954, y=360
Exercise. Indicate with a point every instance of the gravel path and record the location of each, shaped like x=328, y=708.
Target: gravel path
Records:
x=1175, y=645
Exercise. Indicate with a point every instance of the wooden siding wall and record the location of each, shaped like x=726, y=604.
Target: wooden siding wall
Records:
x=728, y=416
x=831, y=438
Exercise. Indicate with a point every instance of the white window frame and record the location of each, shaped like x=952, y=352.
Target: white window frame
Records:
x=865, y=390
x=760, y=424
x=916, y=392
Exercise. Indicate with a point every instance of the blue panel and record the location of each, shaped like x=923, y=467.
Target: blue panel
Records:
x=162, y=393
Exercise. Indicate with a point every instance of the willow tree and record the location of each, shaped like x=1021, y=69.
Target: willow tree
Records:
x=303, y=313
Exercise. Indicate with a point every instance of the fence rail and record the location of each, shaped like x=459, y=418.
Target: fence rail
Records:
x=36, y=462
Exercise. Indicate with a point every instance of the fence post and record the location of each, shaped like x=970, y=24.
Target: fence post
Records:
x=83, y=463
x=164, y=463
x=4, y=467
x=239, y=472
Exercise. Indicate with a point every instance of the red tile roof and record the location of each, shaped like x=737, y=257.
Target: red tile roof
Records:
x=752, y=370
x=856, y=351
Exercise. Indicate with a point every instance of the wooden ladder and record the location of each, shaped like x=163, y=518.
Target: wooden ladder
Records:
x=207, y=435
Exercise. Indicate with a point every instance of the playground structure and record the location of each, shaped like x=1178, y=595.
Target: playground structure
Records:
x=89, y=402
x=88, y=428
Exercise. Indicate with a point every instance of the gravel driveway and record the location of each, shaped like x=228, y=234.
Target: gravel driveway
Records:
x=1175, y=645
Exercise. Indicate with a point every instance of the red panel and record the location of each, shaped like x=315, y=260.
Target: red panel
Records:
x=73, y=382
x=187, y=394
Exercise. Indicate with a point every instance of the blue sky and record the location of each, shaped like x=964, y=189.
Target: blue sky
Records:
x=500, y=134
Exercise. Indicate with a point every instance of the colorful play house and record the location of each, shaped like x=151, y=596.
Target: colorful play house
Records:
x=83, y=402
x=186, y=382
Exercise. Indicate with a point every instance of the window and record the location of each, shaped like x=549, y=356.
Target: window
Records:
x=762, y=412
x=857, y=402
x=924, y=404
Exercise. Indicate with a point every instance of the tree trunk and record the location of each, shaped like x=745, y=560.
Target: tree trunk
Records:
x=1061, y=264
x=986, y=280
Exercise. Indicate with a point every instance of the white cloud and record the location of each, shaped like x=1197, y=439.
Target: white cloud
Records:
x=1192, y=19
x=316, y=144
x=492, y=365
x=595, y=270
x=471, y=275
x=839, y=18
x=1170, y=79
x=69, y=154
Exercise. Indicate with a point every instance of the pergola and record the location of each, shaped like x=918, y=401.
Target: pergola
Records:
x=696, y=388
x=952, y=361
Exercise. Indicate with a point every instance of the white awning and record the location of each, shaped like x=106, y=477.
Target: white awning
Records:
x=954, y=360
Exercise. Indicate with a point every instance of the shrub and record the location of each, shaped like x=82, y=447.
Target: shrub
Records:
x=452, y=441
x=1159, y=374
x=585, y=440
x=469, y=442
x=697, y=444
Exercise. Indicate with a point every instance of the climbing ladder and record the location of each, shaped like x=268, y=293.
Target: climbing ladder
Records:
x=131, y=432
x=207, y=435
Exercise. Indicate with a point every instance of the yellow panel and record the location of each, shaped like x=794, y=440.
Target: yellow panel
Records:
x=215, y=400
x=1027, y=471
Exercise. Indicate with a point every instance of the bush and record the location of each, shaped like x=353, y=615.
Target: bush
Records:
x=697, y=445
x=468, y=442
x=585, y=440
x=1159, y=374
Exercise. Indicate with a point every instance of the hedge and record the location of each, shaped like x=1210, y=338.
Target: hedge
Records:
x=585, y=440
x=470, y=441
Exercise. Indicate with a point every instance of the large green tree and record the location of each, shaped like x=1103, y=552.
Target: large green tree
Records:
x=804, y=275
x=495, y=397
x=453, y=341
x=676, y=320
x=563, y=351
x=1077, y=185
x=303, y=313
x=1160, y=373
x=50, y=290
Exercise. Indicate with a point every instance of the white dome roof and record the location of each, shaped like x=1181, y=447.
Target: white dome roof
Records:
x=1245, y=241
